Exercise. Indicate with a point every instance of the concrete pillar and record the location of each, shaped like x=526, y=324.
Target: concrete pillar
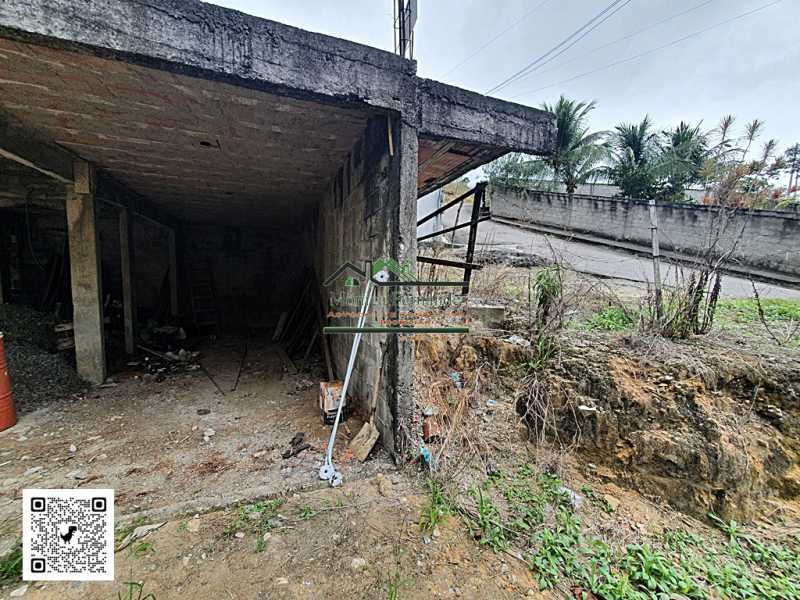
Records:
x=87, y=291
x=173, y=274
x=403, y=197
x=126, y=267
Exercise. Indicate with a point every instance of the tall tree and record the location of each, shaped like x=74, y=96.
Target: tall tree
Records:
x=683, y=151
x=635, y=165
x=579, y=154
x=792, y=157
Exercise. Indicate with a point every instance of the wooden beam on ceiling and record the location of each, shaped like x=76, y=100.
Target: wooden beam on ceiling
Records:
x=22, y=147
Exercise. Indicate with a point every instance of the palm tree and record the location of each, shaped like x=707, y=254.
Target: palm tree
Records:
x=578, y=154
x=635, y=167
x=683, y=152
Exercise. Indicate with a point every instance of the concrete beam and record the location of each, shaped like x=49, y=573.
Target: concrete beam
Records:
x=403, y=223
x=126, y=245
x=196, y=38
x=22, y=147
x=87, y=292
x=448, y=112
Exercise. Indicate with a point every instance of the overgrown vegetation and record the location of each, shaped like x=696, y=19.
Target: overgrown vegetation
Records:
x=647, y=163
x=533, y=514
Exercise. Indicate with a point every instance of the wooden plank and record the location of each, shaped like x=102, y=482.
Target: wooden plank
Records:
x=126, y=269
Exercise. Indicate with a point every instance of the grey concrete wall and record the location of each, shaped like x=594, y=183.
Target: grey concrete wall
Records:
x=358, y=221
x=761, y=239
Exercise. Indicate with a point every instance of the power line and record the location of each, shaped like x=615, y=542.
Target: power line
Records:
x=563, y=50
x=495, y=38
x=621, y=39
x=653, y=50
x=590, y=24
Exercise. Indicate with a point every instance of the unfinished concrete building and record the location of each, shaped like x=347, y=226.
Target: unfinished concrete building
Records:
x=153, y=146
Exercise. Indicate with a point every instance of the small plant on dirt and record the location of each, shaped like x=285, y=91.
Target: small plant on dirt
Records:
x=486, y=525
x=612, y=318
x=11, y=566
x=437, y=507
x=254, y=518
x=135, y=591
x=305, y=512
x=122, y=532
x=140, y=549
x=547, y=312
x=596, y=499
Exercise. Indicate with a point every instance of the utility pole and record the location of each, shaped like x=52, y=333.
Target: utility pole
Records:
x=656, y=258
x=405, y=18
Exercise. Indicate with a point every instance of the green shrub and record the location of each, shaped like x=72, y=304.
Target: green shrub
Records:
x=611, y=318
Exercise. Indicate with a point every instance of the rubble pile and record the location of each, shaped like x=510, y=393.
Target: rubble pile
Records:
x=39, y=377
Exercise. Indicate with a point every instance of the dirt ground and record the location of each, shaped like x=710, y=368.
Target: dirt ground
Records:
x=178, y=444
x=644, y=436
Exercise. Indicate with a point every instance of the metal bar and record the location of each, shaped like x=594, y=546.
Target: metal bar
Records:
x=441, y=209
x=449, y=229
x=480, y=190
x=448, y=263
x=418, y=283
x=333, y=330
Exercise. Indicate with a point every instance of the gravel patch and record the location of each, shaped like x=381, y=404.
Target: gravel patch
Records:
x=39, y=377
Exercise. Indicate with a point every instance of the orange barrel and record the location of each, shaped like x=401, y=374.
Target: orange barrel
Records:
x=8, y=416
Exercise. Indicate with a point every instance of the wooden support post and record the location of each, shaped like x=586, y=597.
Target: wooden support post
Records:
x=656, y=259
x=87, y=290
x=126, y=245
x=173, y=275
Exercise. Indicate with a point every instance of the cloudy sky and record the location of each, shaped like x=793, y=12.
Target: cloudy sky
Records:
x=748, y=66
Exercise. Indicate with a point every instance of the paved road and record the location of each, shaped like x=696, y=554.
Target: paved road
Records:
x=596, y=260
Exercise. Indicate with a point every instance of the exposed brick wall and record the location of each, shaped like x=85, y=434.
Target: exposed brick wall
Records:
x=770, y=239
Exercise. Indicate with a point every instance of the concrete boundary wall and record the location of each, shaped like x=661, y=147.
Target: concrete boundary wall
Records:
x=761, y=240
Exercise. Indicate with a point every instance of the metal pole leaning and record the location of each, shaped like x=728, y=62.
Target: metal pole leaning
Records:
x=328, y=471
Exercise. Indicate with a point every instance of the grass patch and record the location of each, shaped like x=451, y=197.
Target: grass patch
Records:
x=11, y=566
x=532, y=514
x=611, y=318
x=745, y=310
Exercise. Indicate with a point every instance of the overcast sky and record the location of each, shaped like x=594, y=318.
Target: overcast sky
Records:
x=749, y=67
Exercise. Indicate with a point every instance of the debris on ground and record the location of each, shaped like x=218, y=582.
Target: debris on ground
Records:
x=296, y=445
x=511, y=257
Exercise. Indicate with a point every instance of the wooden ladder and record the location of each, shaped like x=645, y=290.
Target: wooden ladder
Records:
x=204, y=300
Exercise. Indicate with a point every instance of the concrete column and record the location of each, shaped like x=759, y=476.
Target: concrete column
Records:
x=87, y=291
x=126, y=245
x=403, y=232
x=173, y=274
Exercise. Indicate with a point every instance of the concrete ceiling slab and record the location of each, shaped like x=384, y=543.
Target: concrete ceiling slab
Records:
x=203, y=150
